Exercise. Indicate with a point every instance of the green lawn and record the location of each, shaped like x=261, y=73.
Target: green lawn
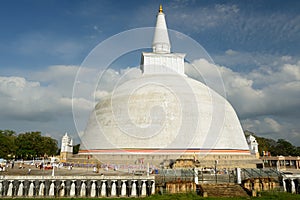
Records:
x=188, y=196
x=263, y=196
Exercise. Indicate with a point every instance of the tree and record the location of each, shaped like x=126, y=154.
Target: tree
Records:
x=7, y=144
x=285, y=148
x=32, y=144
x=49, y=146
x=276, y=148
x=76, y=148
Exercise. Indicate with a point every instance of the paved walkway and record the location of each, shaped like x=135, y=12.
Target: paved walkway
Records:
x=63, y=171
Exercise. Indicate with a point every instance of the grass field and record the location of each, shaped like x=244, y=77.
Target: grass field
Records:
x=188, y=196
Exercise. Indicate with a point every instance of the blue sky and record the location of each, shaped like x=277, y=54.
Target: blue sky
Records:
x=254, y=43
x=63, y=32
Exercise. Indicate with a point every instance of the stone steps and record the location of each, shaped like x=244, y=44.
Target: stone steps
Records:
x=222, y=190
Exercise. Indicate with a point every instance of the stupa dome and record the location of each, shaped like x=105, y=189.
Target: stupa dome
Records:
x=163, y=111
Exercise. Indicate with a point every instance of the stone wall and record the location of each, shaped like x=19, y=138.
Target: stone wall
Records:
x=180, y=187
x=224, y=160
x=260, y=184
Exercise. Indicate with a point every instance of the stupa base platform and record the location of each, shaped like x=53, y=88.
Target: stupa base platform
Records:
x=170, y=158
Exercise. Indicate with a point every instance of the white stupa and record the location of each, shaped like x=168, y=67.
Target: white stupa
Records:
x=164, y=114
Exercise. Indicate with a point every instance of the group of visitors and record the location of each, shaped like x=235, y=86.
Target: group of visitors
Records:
x=4, y=165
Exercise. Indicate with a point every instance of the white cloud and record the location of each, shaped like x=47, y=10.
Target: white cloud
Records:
x=266, y=126
x=82, y=103
x=273, y=125
x=238, y=88
x=203, y=18
x=266, y=99
x=278, y=88
x=222, y=8
x=100, y=94
x=26, y=99
x=286, y=58
x=13, y=86
x=231, y=52
x=251, y=61
x=44, y=99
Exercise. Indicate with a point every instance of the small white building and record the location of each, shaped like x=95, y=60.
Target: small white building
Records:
x=66, y=147
x=253, y=145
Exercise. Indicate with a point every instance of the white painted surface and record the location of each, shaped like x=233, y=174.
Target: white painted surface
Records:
x=83, y=189
x=161, y=60
x=164, y=111
x=51, y=190
x=42, y=189
x=167, y=63
x=253, y=145
x=72, y=191
x=10, y=190
x=31, y=190
x=103, y=189
x=114, y=189
x=123, y=190
x=161, y=42
x=153, y=188
x=93, y=189
x=20, y=191
x=133, y=190
x=144, y=191
x=66, y=144
x=238, y=176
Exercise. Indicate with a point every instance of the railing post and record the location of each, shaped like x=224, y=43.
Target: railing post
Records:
x=238, y=176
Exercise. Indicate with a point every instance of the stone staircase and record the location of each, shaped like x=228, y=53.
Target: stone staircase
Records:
x=222, y=190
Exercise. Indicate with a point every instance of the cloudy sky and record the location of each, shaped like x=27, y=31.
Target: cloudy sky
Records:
x=254, y=45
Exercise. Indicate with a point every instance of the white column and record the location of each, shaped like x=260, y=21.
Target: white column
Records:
x=114, y=189
x=10, y=189
x=72, y=190
x=123, y=189
x=153, y=188
x=103, y=189
x=284, y=185
x=31, y=189
x=133, y=189
x=93, y=189
x=20, y=191
x=144, y=190
x=238, y=176
x=51, y=190
x=293, y=186
x=83, y=189
x=42, y=189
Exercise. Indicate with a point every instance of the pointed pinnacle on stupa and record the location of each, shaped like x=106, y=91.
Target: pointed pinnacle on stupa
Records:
x=160, y=8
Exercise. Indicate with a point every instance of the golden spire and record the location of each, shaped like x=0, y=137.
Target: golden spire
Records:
x=160, y=8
